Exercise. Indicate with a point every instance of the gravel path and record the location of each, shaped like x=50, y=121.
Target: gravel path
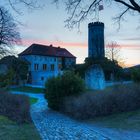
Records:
x=55, y=126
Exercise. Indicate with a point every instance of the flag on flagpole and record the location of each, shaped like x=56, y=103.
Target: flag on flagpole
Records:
x=101, y=7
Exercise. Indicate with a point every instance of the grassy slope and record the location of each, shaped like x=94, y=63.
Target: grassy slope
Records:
x=127, y=121
x=28, y=89
x=33, y=100
x=11, y=131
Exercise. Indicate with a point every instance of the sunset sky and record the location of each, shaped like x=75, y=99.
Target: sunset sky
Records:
x=46, y=26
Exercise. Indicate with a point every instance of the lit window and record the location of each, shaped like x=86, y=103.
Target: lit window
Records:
x=44, y=66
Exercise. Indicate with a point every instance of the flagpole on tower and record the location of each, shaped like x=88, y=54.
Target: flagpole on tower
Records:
x=98, y=13
x=100, y=7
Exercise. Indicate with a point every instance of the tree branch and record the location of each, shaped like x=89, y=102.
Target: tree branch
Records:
x=135, y=5
x=128, y=5
x=120, y=17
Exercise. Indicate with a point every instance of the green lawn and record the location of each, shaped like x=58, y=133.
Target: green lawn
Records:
x=127, y=121
x=9, y=130
x=33, y=100
x=28, y=89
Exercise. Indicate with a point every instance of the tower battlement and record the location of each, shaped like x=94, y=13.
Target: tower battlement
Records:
x=95, y=24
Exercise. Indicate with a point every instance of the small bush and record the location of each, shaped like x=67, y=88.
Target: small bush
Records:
x=62, y=86
x=15, y=107
x=101, y=103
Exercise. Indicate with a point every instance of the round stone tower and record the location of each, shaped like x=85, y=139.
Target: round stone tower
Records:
x=96, y=40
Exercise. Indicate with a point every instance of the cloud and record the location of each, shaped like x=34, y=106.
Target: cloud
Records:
x=132, y=39
x=28, y=42
x=131, y=47
x=126, y=46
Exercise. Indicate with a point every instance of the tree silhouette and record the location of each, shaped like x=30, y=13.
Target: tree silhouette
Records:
x=113, y=51
x=9, y=34
x=25, y=4
x=79, y=10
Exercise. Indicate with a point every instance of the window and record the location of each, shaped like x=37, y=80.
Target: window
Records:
x=59, y=59
x=35, y=57
x=36, y=66
x=59, y=66
x=44, y=66
x=52, y=67
x=42, y=78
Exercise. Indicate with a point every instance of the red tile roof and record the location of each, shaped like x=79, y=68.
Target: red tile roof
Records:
x=38, y=49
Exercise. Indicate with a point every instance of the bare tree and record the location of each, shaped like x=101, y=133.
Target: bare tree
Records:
x=79, y=10
x=27, y=4
x=113, y=51
x=9, y=34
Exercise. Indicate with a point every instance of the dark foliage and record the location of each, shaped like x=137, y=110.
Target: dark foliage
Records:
x=17, y=70
x=62, y=86
x=126, y=75
x=136, y=75
x=15, y=107
x=9, y=34
x=109, y=67
x=101, y=103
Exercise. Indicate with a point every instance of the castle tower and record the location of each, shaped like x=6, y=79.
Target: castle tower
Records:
x=96, y=40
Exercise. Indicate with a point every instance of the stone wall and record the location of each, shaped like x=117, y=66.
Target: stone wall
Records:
x=94, y=77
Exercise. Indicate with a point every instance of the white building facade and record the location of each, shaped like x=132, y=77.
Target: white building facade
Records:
x=46, y=62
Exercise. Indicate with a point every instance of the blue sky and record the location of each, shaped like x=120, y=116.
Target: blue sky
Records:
x=46, y=26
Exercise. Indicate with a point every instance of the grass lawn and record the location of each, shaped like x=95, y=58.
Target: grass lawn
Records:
x=127, y=121
x=9, y=130
x=33, y=100
x=28, y=89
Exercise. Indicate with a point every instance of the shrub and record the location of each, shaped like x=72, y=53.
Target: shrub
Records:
x=101, y=103
x=136, y=75
x=109, y=67
x=15, y=107
x=62, y=86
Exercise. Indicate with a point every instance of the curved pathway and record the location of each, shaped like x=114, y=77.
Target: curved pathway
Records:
x=55, y=126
